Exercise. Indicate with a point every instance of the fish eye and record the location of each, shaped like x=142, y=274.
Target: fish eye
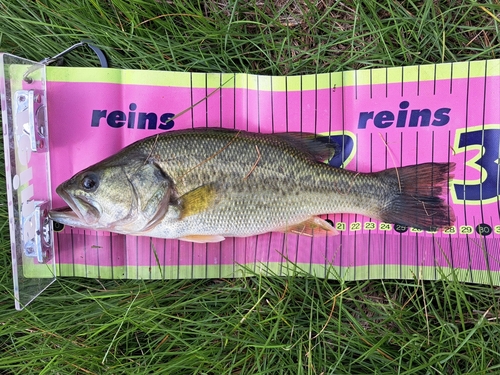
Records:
x=90, y=182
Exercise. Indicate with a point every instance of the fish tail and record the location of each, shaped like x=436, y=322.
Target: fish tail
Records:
x=417, y=198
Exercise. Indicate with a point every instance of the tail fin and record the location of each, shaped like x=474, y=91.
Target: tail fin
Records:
x=417, y=201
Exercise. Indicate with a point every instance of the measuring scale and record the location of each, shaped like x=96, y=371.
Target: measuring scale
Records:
x=381, y=118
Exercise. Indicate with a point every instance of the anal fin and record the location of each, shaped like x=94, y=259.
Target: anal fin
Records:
x=312, y=227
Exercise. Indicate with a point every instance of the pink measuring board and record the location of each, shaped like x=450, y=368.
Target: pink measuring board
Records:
x=383, y=118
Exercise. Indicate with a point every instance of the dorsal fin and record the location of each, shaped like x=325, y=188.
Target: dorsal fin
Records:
x=310, y=145
x=316, y=148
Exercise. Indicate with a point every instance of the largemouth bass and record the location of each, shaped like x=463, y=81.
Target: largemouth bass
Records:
x=203, y=185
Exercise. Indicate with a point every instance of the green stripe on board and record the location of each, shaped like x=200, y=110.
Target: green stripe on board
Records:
x=278, y=83
x=410, y=73
x=443, y=71
x=30, y=269
x=274, y=268
x=363, y=77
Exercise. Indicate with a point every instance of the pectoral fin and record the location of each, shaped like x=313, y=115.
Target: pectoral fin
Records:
x=312, y=227
x=197, y=200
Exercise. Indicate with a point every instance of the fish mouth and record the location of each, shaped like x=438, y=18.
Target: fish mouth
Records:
x=81, y=212
x=66, y=216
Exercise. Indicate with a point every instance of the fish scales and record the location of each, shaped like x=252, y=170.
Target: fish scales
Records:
x=262, y=183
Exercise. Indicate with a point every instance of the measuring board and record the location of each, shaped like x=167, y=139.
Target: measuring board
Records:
x=382, y=118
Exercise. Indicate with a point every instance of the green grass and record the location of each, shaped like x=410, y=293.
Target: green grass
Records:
x=257, y=325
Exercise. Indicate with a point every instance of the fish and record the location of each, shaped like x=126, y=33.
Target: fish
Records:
x=207, y=184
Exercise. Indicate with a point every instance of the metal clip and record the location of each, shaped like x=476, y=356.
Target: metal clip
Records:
x=30, y=114
x=37, y=233
x=49, y=60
